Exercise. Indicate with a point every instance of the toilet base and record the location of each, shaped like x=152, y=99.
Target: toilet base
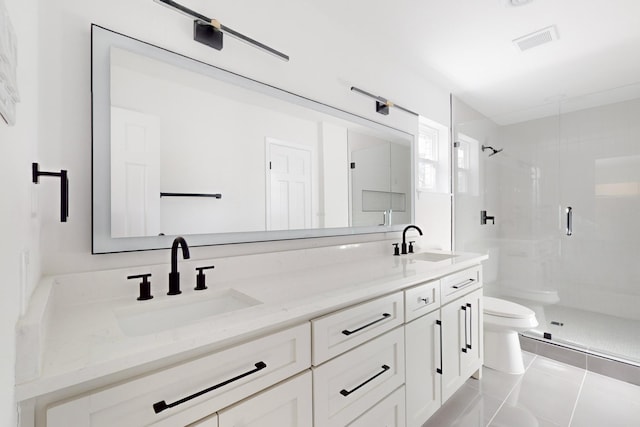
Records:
x=502, y=351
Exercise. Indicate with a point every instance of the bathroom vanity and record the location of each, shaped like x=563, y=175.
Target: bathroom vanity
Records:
x=363, y=339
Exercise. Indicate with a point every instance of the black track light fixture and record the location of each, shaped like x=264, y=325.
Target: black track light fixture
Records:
x=209, y=31
x=382, y=104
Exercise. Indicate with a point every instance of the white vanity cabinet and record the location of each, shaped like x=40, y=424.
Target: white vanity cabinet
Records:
x=191, y=390
x=388, y=362
x=443, y=343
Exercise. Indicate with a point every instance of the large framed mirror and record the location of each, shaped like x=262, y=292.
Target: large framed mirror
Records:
x=181, y=147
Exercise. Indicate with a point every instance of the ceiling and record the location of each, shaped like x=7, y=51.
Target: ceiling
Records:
x=467, y=46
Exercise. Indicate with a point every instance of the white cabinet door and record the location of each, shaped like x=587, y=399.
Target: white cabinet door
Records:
x=387, y=413
x=462, y=338
x=285, y=405
x=423, y=362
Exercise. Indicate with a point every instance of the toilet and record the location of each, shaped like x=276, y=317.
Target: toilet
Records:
x=503, y=320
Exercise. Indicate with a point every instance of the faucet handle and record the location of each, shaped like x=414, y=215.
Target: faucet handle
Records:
x=396, y=249
x=411, y=246
x=201, y=278
x=145, y=286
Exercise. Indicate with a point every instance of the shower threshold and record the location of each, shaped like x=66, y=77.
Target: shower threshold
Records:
x=604, y=344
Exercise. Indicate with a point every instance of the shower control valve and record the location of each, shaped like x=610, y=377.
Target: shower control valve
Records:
x=484, y=218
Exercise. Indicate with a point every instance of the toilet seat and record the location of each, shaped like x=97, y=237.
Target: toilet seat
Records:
x=503, y=308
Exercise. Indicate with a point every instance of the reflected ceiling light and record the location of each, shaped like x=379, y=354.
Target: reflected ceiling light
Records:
x=209, y=31
x=382, y=104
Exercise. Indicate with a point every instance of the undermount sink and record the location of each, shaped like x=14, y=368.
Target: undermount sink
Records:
x=431, y=257
x=174, y=312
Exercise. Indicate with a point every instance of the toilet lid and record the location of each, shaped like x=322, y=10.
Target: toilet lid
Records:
x=503, y=308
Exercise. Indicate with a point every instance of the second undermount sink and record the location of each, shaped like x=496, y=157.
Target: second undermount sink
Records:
x=431, y=256
x=175, y=312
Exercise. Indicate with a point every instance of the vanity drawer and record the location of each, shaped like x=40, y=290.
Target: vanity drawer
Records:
x=421, y=300
x=338, y=332
x=388, y=413
x=347, y=386
x=461, y=283
x=194, y=389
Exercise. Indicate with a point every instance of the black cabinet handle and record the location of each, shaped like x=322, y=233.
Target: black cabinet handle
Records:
x=345, y=393
x=162, y=405
x=470, y=326
x=466, y=340
x=348, y=332
x=439, y=370
x=463, y=284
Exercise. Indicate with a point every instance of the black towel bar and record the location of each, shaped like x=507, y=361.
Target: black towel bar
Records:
x=64, y=187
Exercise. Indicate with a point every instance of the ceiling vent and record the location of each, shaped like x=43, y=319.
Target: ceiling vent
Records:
x=537, y=38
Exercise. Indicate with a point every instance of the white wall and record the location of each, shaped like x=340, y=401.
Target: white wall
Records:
x=325, y=62
x=19, y=231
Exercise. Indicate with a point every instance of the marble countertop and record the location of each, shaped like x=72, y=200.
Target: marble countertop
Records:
x=73, y=328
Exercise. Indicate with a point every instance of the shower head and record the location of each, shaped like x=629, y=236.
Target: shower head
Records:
x=493, y=150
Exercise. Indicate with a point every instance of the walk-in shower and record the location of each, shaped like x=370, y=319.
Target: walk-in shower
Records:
x=565, y=198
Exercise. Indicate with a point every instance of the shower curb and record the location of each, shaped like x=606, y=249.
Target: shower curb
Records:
x=580, y=358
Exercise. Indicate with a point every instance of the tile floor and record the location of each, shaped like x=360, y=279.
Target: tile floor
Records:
x=548, y=394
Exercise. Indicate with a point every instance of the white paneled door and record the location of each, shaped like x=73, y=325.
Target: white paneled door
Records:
x=288, y=186
x=135, y=173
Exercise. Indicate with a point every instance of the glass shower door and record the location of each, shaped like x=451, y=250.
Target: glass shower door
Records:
x=597, y=273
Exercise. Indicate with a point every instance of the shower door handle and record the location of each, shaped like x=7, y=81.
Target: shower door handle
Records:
x=569, y=221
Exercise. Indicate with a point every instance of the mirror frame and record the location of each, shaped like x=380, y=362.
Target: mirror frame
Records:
x=102, y=39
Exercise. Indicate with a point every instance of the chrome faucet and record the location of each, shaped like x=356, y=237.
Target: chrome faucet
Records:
x=174, y=275
x=404, y=238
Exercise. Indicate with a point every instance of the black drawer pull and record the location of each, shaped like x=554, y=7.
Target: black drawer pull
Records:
x=463, y=284
x=345, y=393
x=162, y=405
x=348, y=332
